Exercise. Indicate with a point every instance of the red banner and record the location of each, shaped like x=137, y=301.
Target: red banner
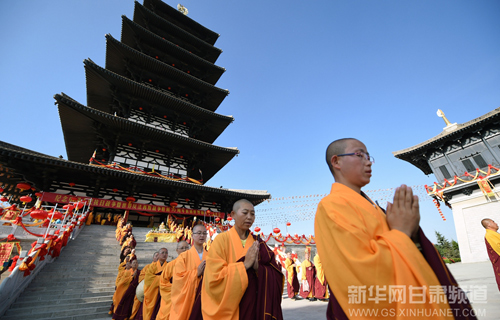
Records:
x=124, y=205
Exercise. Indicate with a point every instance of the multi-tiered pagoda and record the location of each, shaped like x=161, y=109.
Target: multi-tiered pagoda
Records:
x=145, y=137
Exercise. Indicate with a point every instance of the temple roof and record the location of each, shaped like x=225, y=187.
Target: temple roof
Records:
x=47, y=173
x=182, y=21
x=121, y=59
x=105, y=89
x=413, y=154
x=140, y=38
x=82, y=125
x=165, y=29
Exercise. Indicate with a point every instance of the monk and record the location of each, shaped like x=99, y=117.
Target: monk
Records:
x=137, y=307
x=492, y=239
x=292, y=282
x=151, y=286
x=166, y=283
x=241, y=279
x=307, y=277
x=123, y=281
x=367, y=253
x=188, y=272
x=123, y=308
x=320, y=284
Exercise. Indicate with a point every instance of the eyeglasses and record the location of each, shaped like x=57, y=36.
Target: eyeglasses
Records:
x=200, y=233
x=183, y=248
x=359, y=154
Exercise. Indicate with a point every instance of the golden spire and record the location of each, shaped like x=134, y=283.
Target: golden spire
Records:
x=440, y=114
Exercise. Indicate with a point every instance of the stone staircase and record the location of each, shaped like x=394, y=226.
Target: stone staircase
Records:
x=80, y=283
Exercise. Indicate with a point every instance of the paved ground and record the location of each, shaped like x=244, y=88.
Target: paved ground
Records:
x=474, y=278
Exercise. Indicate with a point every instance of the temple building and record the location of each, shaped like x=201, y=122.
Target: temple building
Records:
x=465, y=159
x=144, y=140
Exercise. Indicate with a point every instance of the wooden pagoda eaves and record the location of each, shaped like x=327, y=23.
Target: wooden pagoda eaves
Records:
x=147, y=42
x=110, y=92
x=418, y=154
x=83, y=127
x=130, y=63
x=165, y=29
x=51, y=174
x=184, y=22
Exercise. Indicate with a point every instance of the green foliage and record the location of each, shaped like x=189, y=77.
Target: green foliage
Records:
x=447, y=249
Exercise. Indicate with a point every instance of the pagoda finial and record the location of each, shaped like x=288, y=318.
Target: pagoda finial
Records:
x=182, y=9
x=449, y=125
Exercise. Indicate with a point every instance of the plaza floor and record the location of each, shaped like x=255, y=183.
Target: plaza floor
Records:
x=470, y=276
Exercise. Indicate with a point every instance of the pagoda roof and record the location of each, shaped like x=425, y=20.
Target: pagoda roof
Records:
x=414, y=154
x=119, y=56
x=80, y=128
x=136, y=36
x=46, y=173
x=163, y=28
x=184, y=22
x=104, y=88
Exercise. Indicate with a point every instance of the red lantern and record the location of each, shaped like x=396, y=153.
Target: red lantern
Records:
x=229, y=218
x=288, y=224
x=79, y=205
x=276, y=230
x=130, y=199
x=257, y=229
x=39, y=214
x=25, y=199
x=38, y=194
x=187, y=200
x=23, y=186
x=217, y=219
x=4, y=199
x=173, y=204
x=55, y=215
x=71, y=184
x=115, y=190
x=154, y=195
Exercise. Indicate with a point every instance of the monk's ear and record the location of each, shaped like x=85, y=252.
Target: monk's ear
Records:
x=334, y=162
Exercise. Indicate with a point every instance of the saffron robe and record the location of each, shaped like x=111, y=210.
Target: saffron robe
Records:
x=184, y=283
x=230, y=292
x=124, y=309
x=308, y=274
x=492, y=240
x=292, y=283
x=320, y=284
x=137, y=307
x=352, y=236
x=166, y=291
x=151, y=288
x=122, y=282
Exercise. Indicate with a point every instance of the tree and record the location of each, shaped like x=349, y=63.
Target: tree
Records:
x=446, y=248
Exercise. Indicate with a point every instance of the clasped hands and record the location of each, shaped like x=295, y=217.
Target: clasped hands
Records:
x=252, y=257
x=403, y=213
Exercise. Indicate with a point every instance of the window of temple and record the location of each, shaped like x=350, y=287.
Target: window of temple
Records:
x=445, y=172
x=480, y=161
x=468, y=165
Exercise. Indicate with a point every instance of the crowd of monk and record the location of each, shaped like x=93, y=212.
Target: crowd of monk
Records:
x=365, y=250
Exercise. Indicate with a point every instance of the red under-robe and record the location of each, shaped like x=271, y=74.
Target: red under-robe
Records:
x=292, y=283
x=495, y=261
x=124, y=308
x=308, y=274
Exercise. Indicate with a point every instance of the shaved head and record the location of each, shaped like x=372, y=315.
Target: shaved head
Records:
x=199, y=226
x=485, y=222
x=335, y=148
x=181, y=243
x=238, y=203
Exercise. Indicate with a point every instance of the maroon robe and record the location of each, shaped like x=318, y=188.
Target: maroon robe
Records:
x=196, y=311
x=291, y=289
x=320, y=289
x=262, y=298
x=495, y=261
x=124, y=308
x=461, y=308
x=310, y=276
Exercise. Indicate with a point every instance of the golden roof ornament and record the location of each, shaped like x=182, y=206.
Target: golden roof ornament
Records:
x=449, y=126
x=182, y=9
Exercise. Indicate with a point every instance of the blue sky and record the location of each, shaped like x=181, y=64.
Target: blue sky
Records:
x=300, y=74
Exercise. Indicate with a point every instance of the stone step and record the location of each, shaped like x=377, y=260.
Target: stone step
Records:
x=43, y=297
x=80, y=312
x=58, y=302
x=50, y=290
x=76, y=284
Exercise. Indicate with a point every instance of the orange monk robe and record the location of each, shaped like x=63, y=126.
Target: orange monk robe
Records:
x=137, y=303
x=352, y=238
x=320, y=290
x=122, y=283
x=166, y=291
x=184, y=283
x=225, y=280
x=151, y=285
x=305, y=271
x=89, y=219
